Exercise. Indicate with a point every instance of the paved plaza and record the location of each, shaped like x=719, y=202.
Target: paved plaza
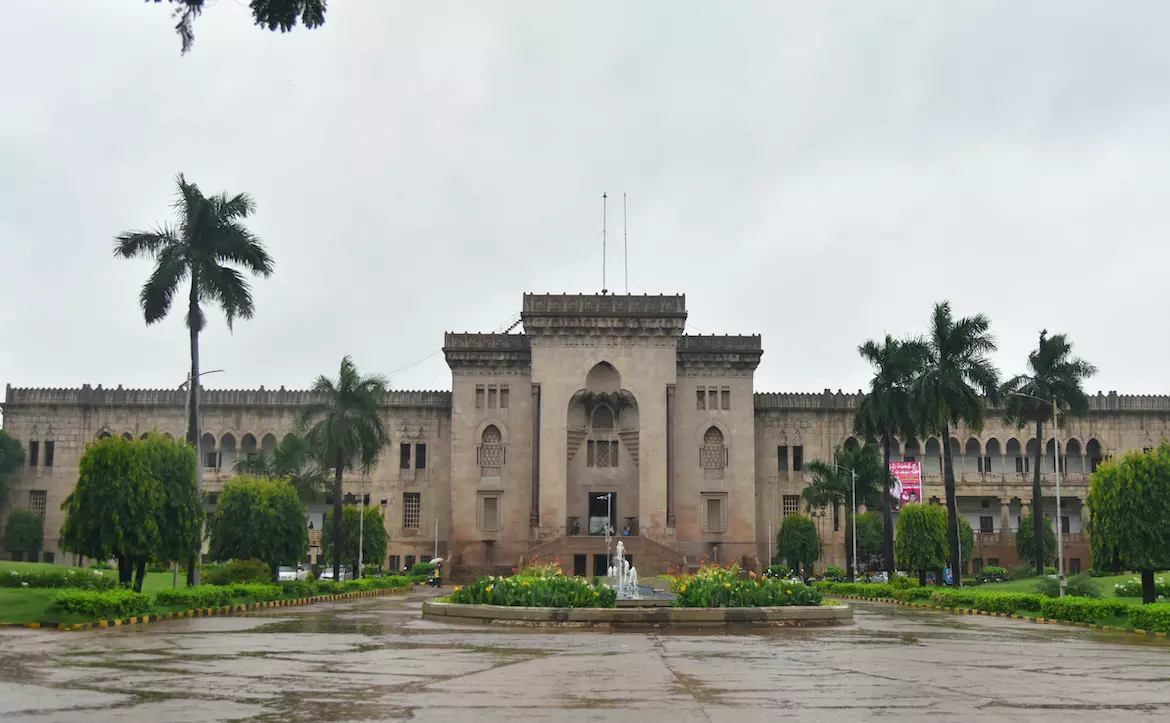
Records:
x=374, y=659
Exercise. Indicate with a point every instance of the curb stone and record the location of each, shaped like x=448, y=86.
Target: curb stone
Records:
x=1012, y=616
x=206, y=612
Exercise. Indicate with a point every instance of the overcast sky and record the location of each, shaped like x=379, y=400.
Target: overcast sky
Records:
x=819, y=173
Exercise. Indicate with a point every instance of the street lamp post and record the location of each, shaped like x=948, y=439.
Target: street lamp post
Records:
x=198, y=462
x=1056, y=471
x=853, y=476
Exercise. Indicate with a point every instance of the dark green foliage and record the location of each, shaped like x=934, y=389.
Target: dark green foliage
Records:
x=912, y=594
x=967, y=535
x=1081, y=585
x=831, y=485
x=1023, y=571
x=260, y=520
x=551, y=592
x=991, y=573
x=237, y=571
x=870, y=534
x=1082, y=609
x=255, y=592
x=1026, y=540
x=11, y=459
x=292, y=461
x=420, y=569
x=1129, y=502
x=778, y=571
x=953, y=598
x=1008, y=602
x=798, y=542
x=856, y=589
x=1151, y=617
x=344, y=429
x=373, y=535
x=280, y=15
x=901, y=582
x=100, y=605
x=24, y=532
x=181, y=524
x=1055, y=380
x=921, y=543
x=202, y=596
x=42, y=578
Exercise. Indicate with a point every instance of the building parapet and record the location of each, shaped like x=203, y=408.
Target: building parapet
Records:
x=829, y=400
x=97, y=396
x=670, y=305
x=484, y=342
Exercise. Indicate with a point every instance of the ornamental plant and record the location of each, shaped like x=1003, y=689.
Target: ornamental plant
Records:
x=714, y=586
x=557, y=591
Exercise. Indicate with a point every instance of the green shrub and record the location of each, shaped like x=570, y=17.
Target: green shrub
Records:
x=420, y=569
x=1077, y=586
x=97, y=580
x=328, y=587
x=911, y=594
x=255, y=592
x=101, y=566
x=1008, y=602
x=728, y=590
x=549, y=592
x=833, y=572
x=201, y=596
x=902, y=582
x=856, y=589
x=237, y=571
x=991, y=573
x=1133, y=587
x=99, y=605
x=1050, y=570
x=1081, y=609
x=297, y=588
x=1151, y=617
x=953, y=598
x=778, y=571
x=1023, y=571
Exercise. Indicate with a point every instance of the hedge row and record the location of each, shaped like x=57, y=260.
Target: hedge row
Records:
x=1151, y=617
x=1083, y=609
x=75, y=579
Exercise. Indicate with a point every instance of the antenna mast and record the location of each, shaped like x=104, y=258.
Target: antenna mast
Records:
x=603, y=203
x=625, y=246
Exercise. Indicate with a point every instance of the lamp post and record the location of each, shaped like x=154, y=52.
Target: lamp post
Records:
x=1056, y=470
x=194, y=575
x=853, y=476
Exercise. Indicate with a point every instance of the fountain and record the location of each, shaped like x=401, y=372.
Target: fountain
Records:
x=625, y=576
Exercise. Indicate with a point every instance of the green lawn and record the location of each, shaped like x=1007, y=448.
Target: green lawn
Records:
x=24, y=605
x=1104, y=586
x=154, y=581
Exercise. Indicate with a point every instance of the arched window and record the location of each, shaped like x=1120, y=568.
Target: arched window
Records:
x=713, y=454
x=603, y=418
x=491, y=452
x=602, y=450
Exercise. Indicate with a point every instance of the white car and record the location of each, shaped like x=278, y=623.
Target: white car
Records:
x=327, y=573
x=292, y=574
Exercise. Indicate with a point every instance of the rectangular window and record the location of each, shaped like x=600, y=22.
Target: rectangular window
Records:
x=34, y=449
x=38, y=501
x=404, y=455
x=791, y=504
x=701, y=399
x=603, y=454
x=489, y=512
x=979, y=464
x=479, y=396
x=613, y=454
x=209, y=460
x=590, y=454
x=1064, y=525
x=504, y=397
x=987, y=465
x=976, y=565
x=987, y=523
x=725, y=398
x=782, y=461
x=411, y=510
x=1074, y=566
x=797, y=458
x=420, y=456
x=395, y=564
x=50, y=449
x=492, y=396
x=985, y=504
x=408, y=562
x=836, y=517
x=993, y=561
x=714, y=513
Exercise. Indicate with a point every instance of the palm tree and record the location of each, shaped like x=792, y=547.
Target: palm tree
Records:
x=954, y=387
x=831, y=485
x=884, y=413
x=343, y=426
x=292, y=461
x=1055, y=380
x=204, y=248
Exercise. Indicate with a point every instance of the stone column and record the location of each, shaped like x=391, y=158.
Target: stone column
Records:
x=534, y=511
x=670, y=399
x=1084, y=516
x=1005, y=515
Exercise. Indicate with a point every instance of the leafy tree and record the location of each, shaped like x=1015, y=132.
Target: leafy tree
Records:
x=24, y=533
x=372, y=533
x=273, y=14
x=1129, y=504
x=292, y=461
x=11, y=459
x=173, y=464
x=343, y=426
x=260, y=519
x=1026, y=545
x=955, y=379
x=967, y=535
x=117, y=508
x=831, y=484
x=922, y=539
x=870, y=536
x=204, y=248
x=799, y=543
x=884, y=413
x=1055, y=379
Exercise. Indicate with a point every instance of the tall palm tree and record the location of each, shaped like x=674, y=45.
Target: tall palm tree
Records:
x=1055, y=379
x=954, y=387
x=292, y=461
x=884, y=413
x=205, y=247
x=831, y=485
x=343, y=426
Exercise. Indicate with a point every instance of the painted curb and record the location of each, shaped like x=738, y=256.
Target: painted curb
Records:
x=1011, y=616
x=207, y=612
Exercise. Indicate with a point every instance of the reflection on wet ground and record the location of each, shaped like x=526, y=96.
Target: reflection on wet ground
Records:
x=374, y=659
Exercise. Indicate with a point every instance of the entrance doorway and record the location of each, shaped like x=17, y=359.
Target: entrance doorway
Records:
x=602, y=512
x=580, y=565
x=600, y=565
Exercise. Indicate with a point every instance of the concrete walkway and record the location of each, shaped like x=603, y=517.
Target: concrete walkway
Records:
x=375, y=659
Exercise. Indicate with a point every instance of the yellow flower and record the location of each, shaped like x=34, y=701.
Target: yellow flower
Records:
x=727, y=585
x=596, y=594
x=525, y=583
x=489, y=589
x=683, y=588
x=786, y=592
x=456, y=588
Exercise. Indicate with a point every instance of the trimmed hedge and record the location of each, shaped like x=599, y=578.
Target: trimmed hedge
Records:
x=95, y=605
x=202, y=596
x=72, y=579
x=856, y=589
x=237, y=571
x=1081, y=609
x=913, y=594
x=953, y=598
x=1151, y=617
x=254, y=592
x=1008, y=602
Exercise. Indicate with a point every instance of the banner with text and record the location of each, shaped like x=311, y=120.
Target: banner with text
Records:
x=907, y=482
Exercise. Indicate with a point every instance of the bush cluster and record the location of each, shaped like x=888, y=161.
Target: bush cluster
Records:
x=75, y=579
x=93, y=604
x=953, y=598
x=718, y=587
x=856, y=589
x=1151, y=617
x=420, y=569
x=545, y=592
x=912, y=594
x=778, y=571
x=202, y=596
x=1081, y=609
x=1008, y=602
x=1133, y=587
x=237, y=571
x=1080, y=585
x=991, y=573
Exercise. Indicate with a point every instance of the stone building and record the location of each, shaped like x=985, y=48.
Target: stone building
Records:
x=603, y=412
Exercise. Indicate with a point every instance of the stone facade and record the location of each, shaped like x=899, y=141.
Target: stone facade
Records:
x=602, y=410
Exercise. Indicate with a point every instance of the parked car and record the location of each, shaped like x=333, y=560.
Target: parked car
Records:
x=287, y=573
x=327, y=574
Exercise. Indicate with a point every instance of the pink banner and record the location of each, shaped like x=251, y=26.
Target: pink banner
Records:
x=907, y=482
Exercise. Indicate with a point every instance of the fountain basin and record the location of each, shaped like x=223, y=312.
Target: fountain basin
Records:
x=641, y=615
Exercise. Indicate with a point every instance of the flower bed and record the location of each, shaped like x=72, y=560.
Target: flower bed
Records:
x=524, y=591
x=1133, y=588
x=75, y=579
x=714, y=586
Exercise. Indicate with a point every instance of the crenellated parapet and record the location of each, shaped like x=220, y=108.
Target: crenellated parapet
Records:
x=465, y=351
x=87, y=396
x=604, y=315
x=831, y=401
x=716, y=353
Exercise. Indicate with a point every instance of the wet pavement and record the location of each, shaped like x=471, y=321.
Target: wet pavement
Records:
x=375, y=659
